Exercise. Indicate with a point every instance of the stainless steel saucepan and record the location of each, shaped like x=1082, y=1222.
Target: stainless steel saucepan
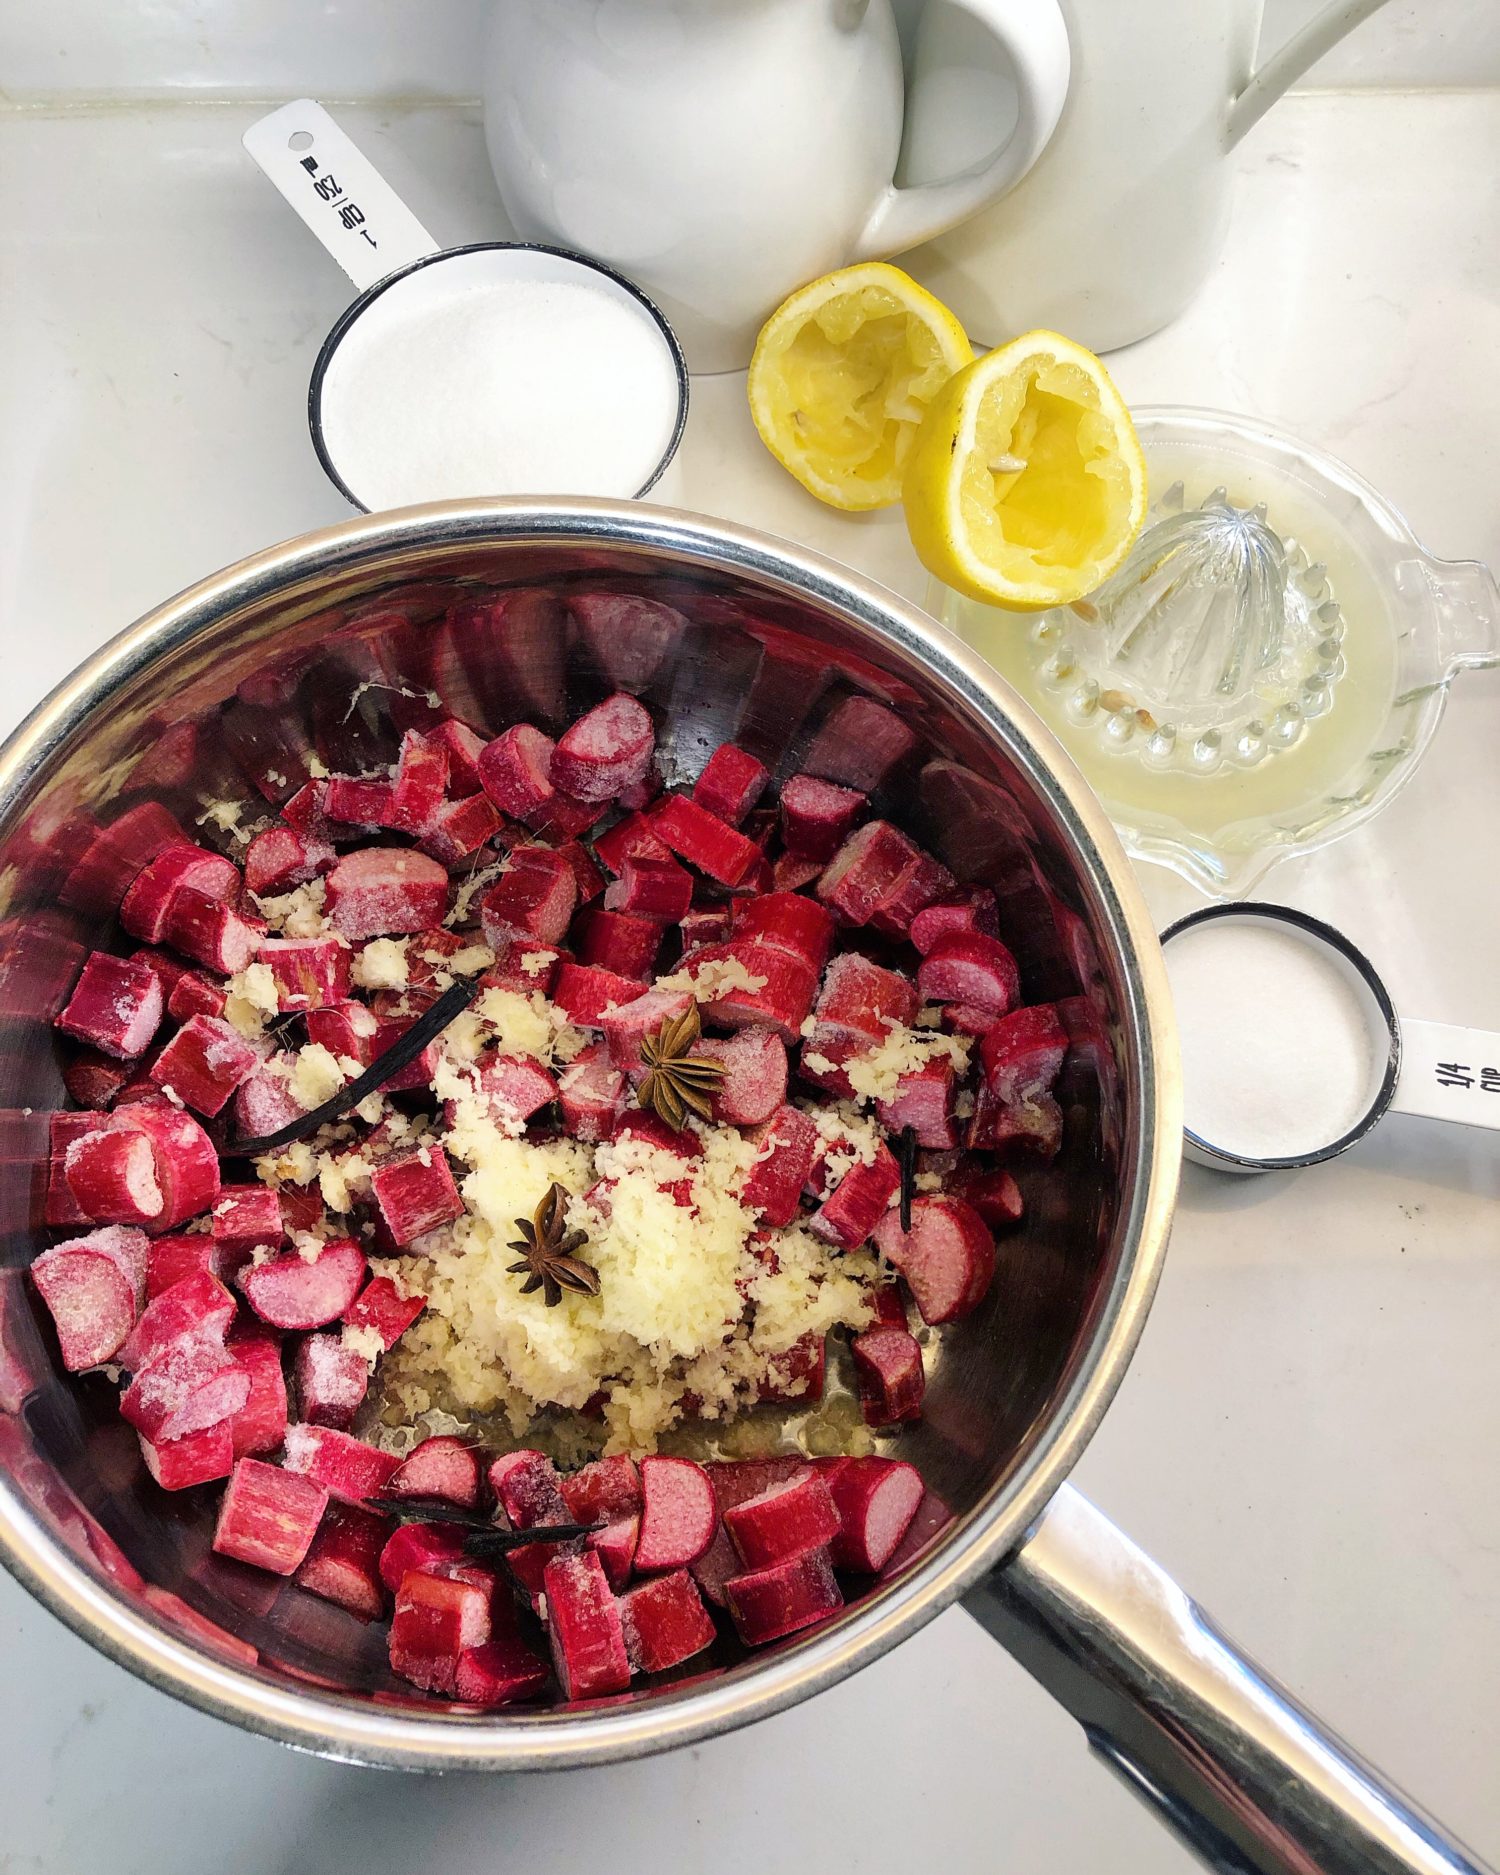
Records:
x=319, y=651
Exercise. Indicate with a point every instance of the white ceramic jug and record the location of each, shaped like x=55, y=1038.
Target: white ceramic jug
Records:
x=722, y=152
x=1120, y=220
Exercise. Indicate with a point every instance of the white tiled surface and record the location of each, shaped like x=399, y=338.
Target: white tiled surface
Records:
x=1308, y=1434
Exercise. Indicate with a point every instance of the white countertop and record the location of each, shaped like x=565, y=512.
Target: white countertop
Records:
x=1308, y=1435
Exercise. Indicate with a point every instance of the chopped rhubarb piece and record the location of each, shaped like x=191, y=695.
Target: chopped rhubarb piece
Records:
x=145, y=911
x=292, y=1292
x=456, y=829
x=93, y=1080
x=307, y=810
x=347, y=1468
x=968, y=1019
x=705, y=924
x=876, y=1500
x=347, y=1030
x=605, y=751
x=437, y=1618
x=859, y=744
x=1023, y=1054
x=625, y=1029
x=384, y=890
x=301, y=1208
x=703, y=840
x=888, y=1364
x=583, y=1625
x=591, y=1094
x=731, y=783
x=246, y=1217
x=636, y=1124
x=515, y=770
x=923, y=881
x=265, y=1102
x=1029, y=1128
x=607, y=1488
x=792, y=1594
x=169, y=1259
x=678, y=1515
x=584, y=993
x=332, y=1381
x=630, y=838
x=499, y=1673
x=665, y=1623
x=210, y=932
x=788, y=921
x=116, y=1006
x=753, y=1085
x=615, y=1544
x=779, y=992
x=889, y=1305
x=619, y=942
x=975, y=912
x=513, y=1087
x=788, y=1144
x=187, y=1166
x=280, y=858
x=523, y=965
x=420, y=783
x=268, y=1516
x=923, y=1100
x=795, y=1374
x=734, y=1481
x=860, y=1001
x=528, y=1489
x=360, y=801
x=93, y=1287
x=656, y=889
x=787, y=1519
x=197, y=1306
x=419, y=1546
x=416, y=1193
x=203, y=1064
x=947, y=1257
x=790, y=874
x=260, y=1424
x=439, y=1467
x=818, y=816
x=343, y=1562
x=199, y=1458
x=192, y=1384
x=463, y=746
x=534, y=898
x=968, y=967
x=112, y=1177
x=195, y=993
x=858, y=1202
x=586, y=875
x=865, y=871
x=309, y=973
x=994, y=1194
x=381, y=1306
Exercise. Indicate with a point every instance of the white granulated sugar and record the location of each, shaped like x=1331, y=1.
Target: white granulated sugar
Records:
x=1283, y=1047
x=514, y=387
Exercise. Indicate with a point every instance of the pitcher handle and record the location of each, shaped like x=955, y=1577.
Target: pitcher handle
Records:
x=1034, y=38
x=1246, y=1777
x=1285, y=67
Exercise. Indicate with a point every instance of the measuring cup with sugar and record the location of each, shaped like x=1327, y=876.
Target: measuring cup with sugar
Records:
x=494, y=369
x=1292, y=1048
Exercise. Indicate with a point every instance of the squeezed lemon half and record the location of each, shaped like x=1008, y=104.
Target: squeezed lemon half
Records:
x=843, y=375
x=1026, y=486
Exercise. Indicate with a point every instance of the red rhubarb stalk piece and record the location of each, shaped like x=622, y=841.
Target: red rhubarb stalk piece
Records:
x=343, y=1561
x=419, y=1546
x=619, y=941
x=947, y=1257
x=380, y=891
x=441, y=1466
x=116, y=1006
x=786, y=1519
x=888, y=1365
x=678, y=1515
x=200, y=1458
x=347, y=1468
x=112, y=1177
x=604, y=752
x=93, y=1287
x=794, y=1593
x=416, y=1193
x=437, y=1617
x=260, y=1424
x=876, y=1500
x=817, y=816
x=731, y=783
x=787, y=1146
x=292, y=1292
x=145, y=911
x=753, y=1085
x=499, y=1673
x=268, y=1516
x=203, y=1064
x=703, y=840
x=584, y=1627
x=381, y=1306
x=969, y=967
x=534, y=898
x=664, y=1622
x=331, y=1381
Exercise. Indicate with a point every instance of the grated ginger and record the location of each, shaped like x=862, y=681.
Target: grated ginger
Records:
x=876, y=1074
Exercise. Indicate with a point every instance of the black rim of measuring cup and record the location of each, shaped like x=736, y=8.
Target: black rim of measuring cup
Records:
x=372, y=293
x=1315, y=927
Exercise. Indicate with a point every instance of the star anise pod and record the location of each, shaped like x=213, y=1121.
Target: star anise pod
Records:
x=547, y=1247
x=677, y=1081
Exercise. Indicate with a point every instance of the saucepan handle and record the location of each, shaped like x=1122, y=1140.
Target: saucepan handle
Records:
x=1245, y=1776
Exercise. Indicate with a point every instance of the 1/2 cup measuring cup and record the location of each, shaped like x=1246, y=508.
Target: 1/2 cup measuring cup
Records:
x=492, y=369
x=1360, y=1059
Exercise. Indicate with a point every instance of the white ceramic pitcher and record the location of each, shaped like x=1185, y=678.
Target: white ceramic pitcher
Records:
x=1119, y=222
x=722, y=152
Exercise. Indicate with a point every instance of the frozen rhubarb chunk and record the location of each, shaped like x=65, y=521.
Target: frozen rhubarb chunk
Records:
x=817, y=817
x=795, y=1374
x=501, y=1672
x=604, y=752
x=665, y=1622
x=703, y=840
x=860, y=1001
x=630, y=838
x=788, y=1144
x=888, y=1364
x=116, y=1006
x=381, y=1306
x=1023, y=1054
x=527, y=1488
x=195, y=993
x=615, y=1545
x=618, y=941
x=876, y=1500
x=426, y=1546
x=516, y=770
x=753, y=1085
x=365, y=801
x=591, y=1094
x=268, y=1516
x=1030, y=1128
x=584, y=993
x=734, y=1481
x=457, y=829
x=203, y=1064
x=791, y=1594
x=93, y=1287
x=786, y=1519
x=972, y=911
x=197, y=1305
x=292, y=1292
x=512, y=1088
x=524, y=965
x=245, y=1218
x=657, y=889
x=625, y=1029
x=788, y=921
x=347, y=1468
x=280, y=858
x=923, y=1101
x=177, y=1255
x=265, y=1103
x=436, y=1619
x=260, y=1424
x=146, y=908
x=584, y=1627
x=442, y=1467
x=200, y=1458
x=186, y=1163
x=605, y=1489
x=858, y=1202
x=776, y=988
x=420, y=782
x=705, y=924
x=416, y=1193
x=865, y=871
x=533, y=899
x=463, y=747
x=381, y=891
x=112, y=1178
x=332, y=1381
x=731, y=783
x=309, y=973
x=343, y=1561
x=678, y=1515
x=210, y=932
x=192, y=1384
x=969, y=967
x=994, y=1194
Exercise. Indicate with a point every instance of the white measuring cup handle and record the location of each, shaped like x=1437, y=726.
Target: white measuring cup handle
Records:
x=337, y=191
x=1449, y=1073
